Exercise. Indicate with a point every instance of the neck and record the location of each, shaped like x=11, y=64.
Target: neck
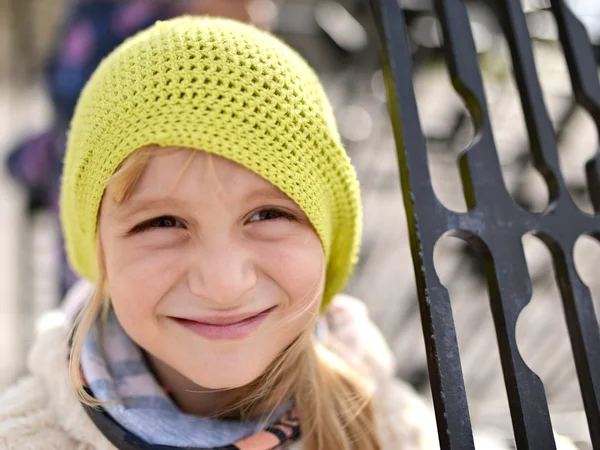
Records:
x=192, y=398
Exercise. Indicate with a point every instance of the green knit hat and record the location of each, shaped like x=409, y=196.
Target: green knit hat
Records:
x=226, y=88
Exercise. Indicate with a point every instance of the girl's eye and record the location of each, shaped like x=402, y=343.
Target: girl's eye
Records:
x=165, y=222
x=270, y=214
x=157, y=222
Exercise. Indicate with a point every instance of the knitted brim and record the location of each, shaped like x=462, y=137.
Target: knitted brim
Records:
x=226, y=88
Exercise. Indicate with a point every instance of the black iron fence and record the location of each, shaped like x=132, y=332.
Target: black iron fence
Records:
x=494, y=224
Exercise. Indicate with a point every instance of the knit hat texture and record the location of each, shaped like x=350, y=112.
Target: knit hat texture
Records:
x=226, y=88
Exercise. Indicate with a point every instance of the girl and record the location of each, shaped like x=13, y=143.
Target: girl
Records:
x=208, y=198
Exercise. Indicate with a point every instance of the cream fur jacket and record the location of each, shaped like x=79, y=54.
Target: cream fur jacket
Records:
x=41, y=411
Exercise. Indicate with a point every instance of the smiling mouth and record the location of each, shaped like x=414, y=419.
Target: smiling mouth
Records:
x=225, y=328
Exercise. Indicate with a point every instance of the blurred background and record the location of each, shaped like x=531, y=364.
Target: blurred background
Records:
x=49, y=48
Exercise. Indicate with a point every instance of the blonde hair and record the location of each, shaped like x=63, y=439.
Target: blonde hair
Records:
x=333, y=401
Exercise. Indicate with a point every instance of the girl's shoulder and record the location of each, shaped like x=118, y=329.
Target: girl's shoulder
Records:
x=41, y=410
x=26, y=421
x=404, y=419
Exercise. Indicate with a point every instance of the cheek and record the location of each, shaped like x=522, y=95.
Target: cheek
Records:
x=138, y=276
x=298, y=268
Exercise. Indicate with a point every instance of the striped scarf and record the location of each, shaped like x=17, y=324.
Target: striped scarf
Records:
x=114, y=369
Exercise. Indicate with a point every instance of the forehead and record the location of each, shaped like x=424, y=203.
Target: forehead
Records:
x=187, y=171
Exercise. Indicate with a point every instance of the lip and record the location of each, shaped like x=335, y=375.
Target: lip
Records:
x=225, y=327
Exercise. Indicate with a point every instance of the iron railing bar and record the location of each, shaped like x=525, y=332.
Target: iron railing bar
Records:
x=584, y=333
x=579, y=55
x=577, y=302
x=510, y=291
x=542, y=137
x=584, y=80
x=508, y=294
x=424, y=215
x=479, y=164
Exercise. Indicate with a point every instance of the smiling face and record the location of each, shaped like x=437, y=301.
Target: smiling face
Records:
x=200, y=247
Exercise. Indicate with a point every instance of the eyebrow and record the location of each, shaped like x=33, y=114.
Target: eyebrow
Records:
x=135, y=206
x=268, y=193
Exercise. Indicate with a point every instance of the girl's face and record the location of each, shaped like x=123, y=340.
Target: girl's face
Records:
x=211, y=269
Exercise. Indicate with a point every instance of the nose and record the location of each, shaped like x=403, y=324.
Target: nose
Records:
x=222, y=274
